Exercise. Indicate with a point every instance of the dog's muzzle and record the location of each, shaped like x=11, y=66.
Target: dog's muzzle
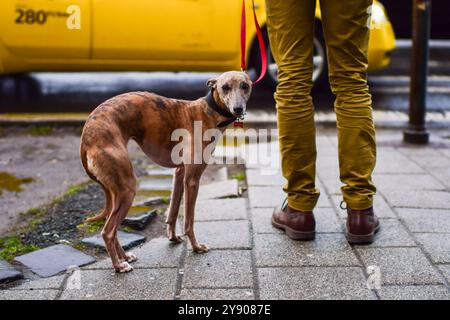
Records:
x=238, y=111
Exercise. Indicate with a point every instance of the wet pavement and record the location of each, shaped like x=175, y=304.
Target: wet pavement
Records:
x=51, y=161
x=250, y=259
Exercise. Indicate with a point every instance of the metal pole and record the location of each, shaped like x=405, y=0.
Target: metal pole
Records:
x=416, y=132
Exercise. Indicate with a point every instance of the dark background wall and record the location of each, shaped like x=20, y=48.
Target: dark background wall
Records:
x=400, y=12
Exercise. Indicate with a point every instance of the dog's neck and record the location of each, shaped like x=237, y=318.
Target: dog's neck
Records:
x=224, y=116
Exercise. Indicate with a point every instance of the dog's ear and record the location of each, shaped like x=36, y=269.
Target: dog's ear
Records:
x=247, y=77
x=211, y=83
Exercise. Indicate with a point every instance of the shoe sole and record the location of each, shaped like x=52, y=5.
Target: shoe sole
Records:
x=294, y=234
x=362, y=238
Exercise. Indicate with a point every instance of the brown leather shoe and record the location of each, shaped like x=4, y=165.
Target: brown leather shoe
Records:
x=362, y=225
x=298, y=225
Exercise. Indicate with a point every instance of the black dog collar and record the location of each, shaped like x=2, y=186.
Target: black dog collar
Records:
x=213, y=105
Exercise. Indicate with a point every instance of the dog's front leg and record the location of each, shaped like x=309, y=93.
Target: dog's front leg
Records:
x=191, y=185
x=174, y=208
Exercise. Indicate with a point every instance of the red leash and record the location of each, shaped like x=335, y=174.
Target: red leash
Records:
x=262, y=47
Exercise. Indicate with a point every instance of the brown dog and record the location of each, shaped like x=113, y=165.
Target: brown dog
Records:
x=150, y=120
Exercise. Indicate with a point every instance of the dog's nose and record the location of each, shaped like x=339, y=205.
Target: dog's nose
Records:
x=238, y=110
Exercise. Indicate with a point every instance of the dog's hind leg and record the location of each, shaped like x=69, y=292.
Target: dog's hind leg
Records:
x=174, y=207
x=119, y=258
x=127, y=200
x=191, y=186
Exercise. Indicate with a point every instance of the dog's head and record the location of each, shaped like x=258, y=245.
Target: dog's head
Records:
x=234, y=89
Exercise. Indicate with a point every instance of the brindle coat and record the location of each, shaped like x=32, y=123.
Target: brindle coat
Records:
x=150, y=119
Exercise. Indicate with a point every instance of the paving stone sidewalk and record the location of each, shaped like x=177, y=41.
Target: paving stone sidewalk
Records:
x=410, y=258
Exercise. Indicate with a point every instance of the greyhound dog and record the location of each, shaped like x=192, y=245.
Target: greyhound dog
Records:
x=150, y=119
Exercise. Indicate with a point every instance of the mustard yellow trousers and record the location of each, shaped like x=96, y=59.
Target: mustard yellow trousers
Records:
x=345, y=26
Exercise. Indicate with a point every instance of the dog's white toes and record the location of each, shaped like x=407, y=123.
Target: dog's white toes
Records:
x=131, y=257
x=124, y=267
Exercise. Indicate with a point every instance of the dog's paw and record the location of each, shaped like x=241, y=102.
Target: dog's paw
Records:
x=130, y=257
x=123, y=267
x=175, y=239
x=200, y=248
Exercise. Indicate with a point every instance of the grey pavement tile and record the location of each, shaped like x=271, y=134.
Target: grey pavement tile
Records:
x=332, y=137
x=445, y=269
x=141, y=220
x=443, y=175
x=392, y=234
x=264, y=156
x=155, y=182
x=221, y=209
x=224, y=234
x=213, y=174
x=217, y=190
x=333, y=186
x=431, y=161
x=28, y=294
x=157, y=253
x=326, y=148
x=445, y=152
x=400, y=265
x=41, y=284
x=265, y=197
x=127, y=240
x=154, y=284
x=391, y=182
x=313, y=283
x=327, y=167
x=382, y=209
x=8, y=272
x=437, y=245
x=326, y=220
x=328, y=249
x=218, y=269
x=419, y=199
x=257, y=177
x=217, y=294
x=269, y=197
x=420, y=151
x=53, y=260
x=425, y=220
x=421, y=292
x=389, y=161
x=261, y=221
x=324, y=200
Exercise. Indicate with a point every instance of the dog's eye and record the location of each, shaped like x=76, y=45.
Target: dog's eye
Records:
x=226, y=87
x=244, y=86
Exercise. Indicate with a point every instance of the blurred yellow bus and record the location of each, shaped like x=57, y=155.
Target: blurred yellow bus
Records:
x=148, y=35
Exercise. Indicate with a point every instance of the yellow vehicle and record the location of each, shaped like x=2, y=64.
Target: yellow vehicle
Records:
x=147, y=35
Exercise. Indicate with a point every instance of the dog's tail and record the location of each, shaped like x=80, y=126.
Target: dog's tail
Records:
x=99, y=216
x=86, y=164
